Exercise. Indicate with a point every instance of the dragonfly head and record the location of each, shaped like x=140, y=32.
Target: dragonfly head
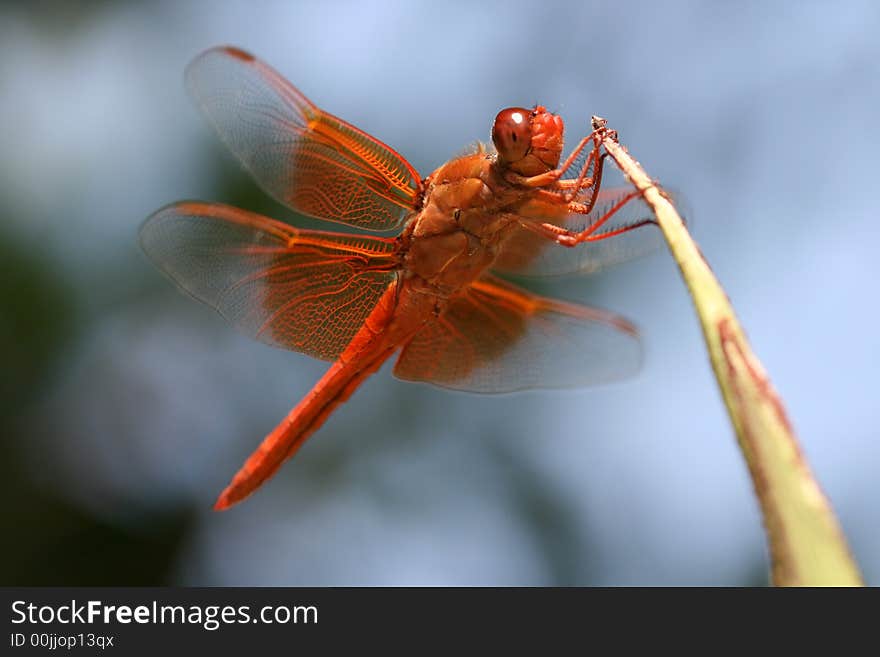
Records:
x=528, y=142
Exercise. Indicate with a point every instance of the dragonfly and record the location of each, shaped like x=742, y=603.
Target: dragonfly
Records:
x=434, y=291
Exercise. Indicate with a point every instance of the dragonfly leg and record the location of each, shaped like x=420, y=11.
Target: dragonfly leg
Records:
x=571, y=188
x=591, y=233
x=568, y=238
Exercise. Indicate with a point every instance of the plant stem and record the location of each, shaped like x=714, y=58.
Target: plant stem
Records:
x=807, y=546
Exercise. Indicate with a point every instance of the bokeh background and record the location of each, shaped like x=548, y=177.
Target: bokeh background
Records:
x=126, y=407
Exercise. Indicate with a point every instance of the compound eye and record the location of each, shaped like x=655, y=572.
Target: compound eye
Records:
x=512, y=133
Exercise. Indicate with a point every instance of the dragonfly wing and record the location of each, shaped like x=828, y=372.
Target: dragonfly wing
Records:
x=497, y=337
x=308, y=291
x=527, y=253
x=311, y=161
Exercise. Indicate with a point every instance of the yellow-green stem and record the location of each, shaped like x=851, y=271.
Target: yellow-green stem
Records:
x=807, y=546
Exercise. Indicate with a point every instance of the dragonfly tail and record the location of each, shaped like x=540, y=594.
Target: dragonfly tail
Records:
x=335, y=387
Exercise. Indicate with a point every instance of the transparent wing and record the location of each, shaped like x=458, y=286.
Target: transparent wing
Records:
x=313, y=162
x=304, y=290
x=497, y=337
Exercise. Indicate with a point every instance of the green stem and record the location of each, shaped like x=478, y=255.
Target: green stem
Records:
x=807, y=546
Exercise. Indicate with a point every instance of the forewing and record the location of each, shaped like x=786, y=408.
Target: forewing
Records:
x=497, y=337
x=308, y=291
x=313, y=162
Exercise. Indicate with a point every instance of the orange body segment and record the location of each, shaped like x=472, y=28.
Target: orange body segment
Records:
x=364, y=355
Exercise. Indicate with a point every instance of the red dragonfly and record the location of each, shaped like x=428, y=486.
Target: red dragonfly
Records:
x=432, y=292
